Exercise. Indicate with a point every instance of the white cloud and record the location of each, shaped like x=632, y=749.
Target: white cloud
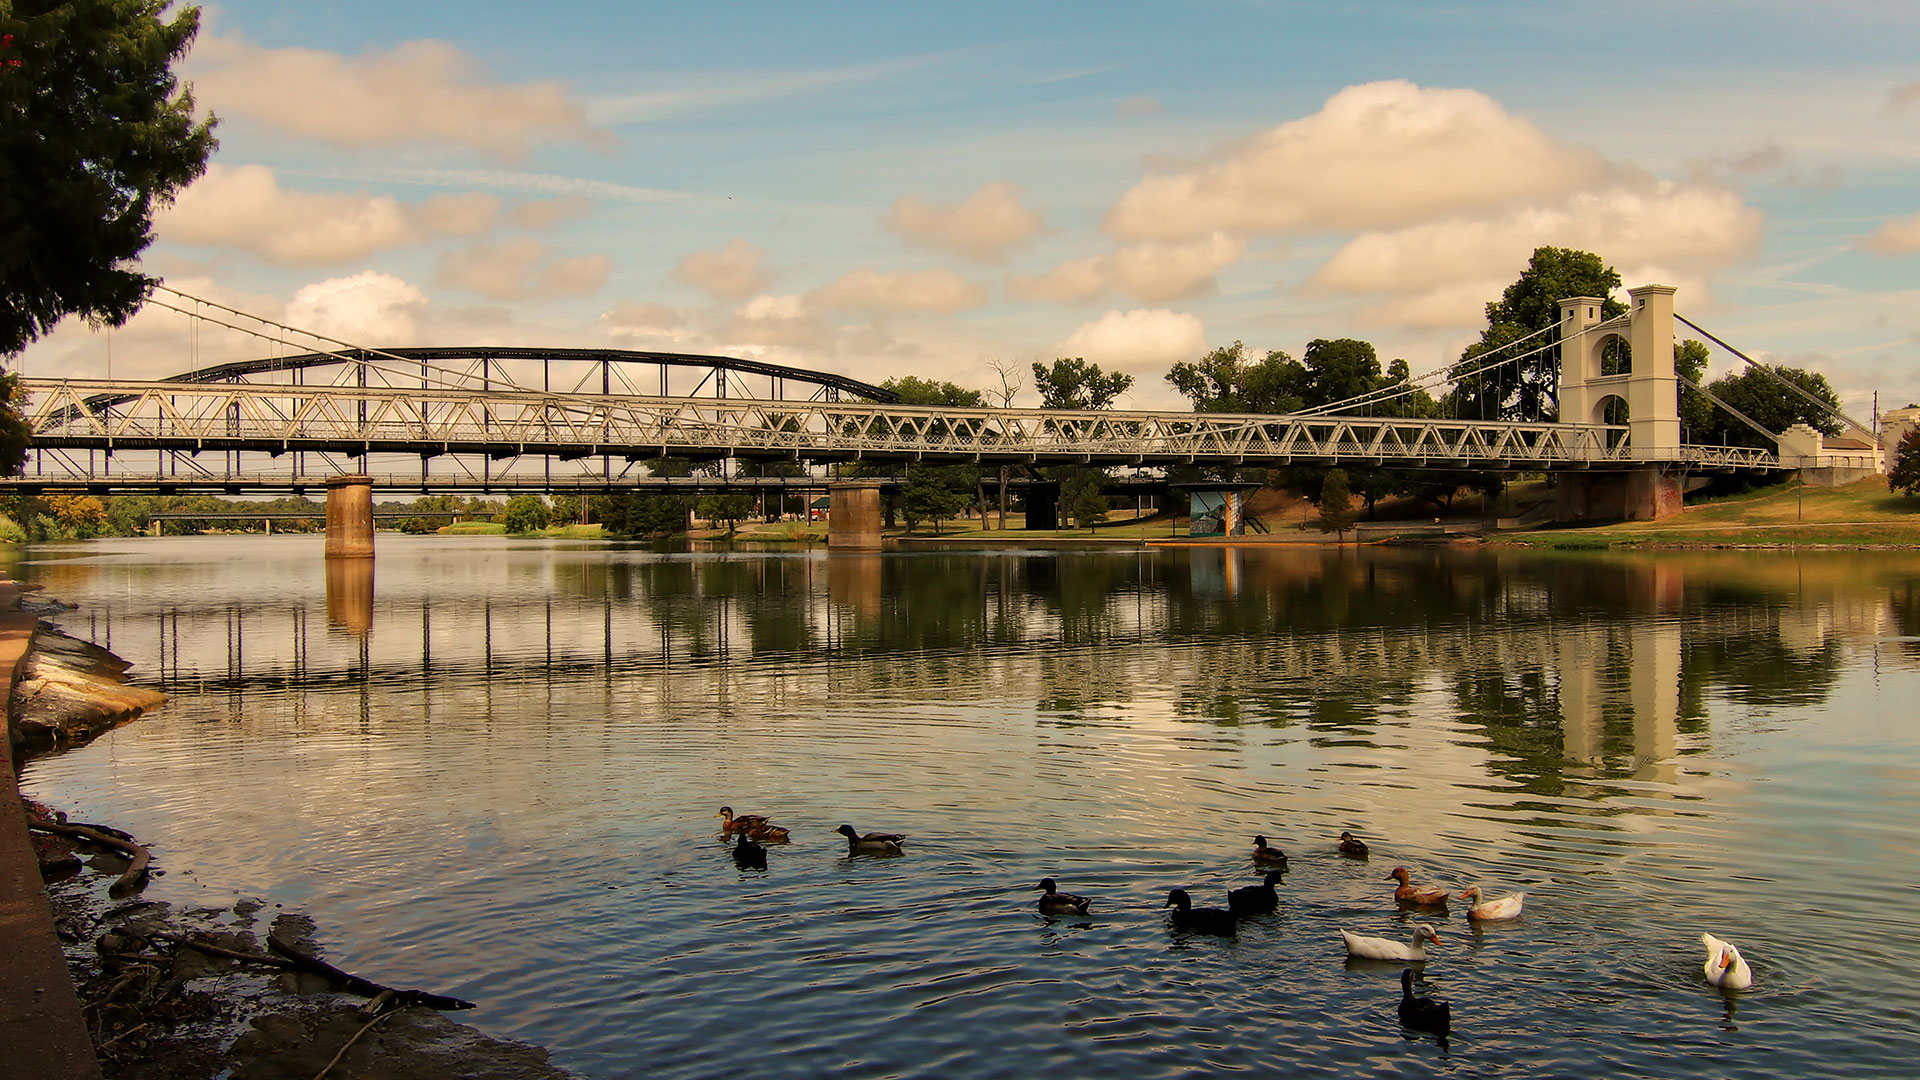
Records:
x=981, y=227
x=420, y=92
x=1440, y=274
x=370, y=309
x=1903, y=97
x=1378, y=155
x=1074, y=282
x=244, y=207
x=778, y=321
x=733, y=272
x=467, y=214
x=520, y=269
x=1151, y=273
x=1139, y=339
x=941, y=292
x=1138, y=106
x=1900, y=237
x=646, y=322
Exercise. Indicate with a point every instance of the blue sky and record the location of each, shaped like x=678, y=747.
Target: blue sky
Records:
x=933, y=189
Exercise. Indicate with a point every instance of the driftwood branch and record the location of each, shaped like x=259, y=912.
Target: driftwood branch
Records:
x=133, y=878
x=354, y=984
x=211, y=949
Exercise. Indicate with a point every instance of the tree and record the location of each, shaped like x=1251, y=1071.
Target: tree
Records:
x=731, y=507
x=1225, y=381
x=1072, y=383
x=566, y=509
x=1089, y=507
x=1904, y=476
x=1696, y=412
x=1525, y=389
x=1337, y=514
x=82, y=516
x=914, y=390
x=1340, y=369
x=632, y=513
x=929, y=496
x=1768, y=404
x=94, y=134
x=525, y=514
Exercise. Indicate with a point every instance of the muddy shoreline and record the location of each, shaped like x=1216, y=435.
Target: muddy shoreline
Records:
x=157, y=1007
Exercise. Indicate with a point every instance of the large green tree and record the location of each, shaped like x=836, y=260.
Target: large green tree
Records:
x=95, y=132
x=1904, y=476
x=1768, y=404
x=1226, y=381
x=1525, y=389
x=1072, y=383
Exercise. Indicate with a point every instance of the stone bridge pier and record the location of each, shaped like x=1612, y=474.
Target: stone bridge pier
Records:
x=853, y=516
x=350, y=517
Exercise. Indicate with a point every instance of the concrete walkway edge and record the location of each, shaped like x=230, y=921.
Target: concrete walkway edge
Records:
x=42, y=1034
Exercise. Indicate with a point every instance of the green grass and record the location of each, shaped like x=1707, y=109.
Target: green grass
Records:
x=1860, y=514
x=474, y=528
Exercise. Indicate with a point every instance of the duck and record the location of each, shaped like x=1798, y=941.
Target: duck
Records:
x=1408, y=893
x=1423, y=1013
x=1255, y=899
x=1507, y=907
x=1349, y=845
x=1264, y=854
x=741, y=823
x=1055, y=902
x=1374, y=948
x=748, y=855
x=769, y=834
x=873, y=843
x=1725, y=967
x=1203, y=920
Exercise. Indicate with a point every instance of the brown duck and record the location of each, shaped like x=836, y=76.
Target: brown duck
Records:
x=1408, y=893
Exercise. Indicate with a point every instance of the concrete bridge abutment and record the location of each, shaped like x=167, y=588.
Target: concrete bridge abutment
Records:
x=350, y=517
x=1647, y=494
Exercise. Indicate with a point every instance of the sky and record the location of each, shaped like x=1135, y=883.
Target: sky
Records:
x=947, y=190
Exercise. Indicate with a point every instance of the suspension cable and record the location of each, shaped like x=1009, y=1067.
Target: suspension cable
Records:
x=1775, y=376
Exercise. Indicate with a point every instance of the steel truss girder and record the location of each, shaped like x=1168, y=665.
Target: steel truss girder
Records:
x=278, y=418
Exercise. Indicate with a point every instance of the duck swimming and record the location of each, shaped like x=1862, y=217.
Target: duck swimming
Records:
x=748, y=855
x=1270, y=855
x=742, y=823
x=1374, y=948
x=1726, y=968
x=1409, y=893
x=1255, y=899
x=1507, y=907
x=1351, y=846
x=1061, y=903
x=1204, y=920
x=873, y=843
x=768, y=834
x=1423, y=1013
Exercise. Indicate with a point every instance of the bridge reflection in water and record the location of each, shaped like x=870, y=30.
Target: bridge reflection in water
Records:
x=1599, y=663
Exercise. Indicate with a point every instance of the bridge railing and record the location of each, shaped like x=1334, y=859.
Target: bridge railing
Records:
x=191, y=418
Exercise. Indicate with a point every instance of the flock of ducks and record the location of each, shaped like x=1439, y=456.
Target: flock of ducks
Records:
x=1725, y=968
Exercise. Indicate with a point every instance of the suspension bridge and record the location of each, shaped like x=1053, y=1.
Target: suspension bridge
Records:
x=351, y=420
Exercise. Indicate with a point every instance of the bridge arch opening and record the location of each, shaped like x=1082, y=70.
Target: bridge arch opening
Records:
x=1612, y=410
x=1616, y=356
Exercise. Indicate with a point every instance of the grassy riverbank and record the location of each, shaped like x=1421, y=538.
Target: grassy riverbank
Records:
x=1861, y=514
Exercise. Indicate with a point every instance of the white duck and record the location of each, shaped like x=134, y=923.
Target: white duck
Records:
x=1725, y=968
x=1374, y=948
x=1507, y=907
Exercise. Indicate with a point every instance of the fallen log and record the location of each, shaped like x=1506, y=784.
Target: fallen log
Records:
x=354, y=984
x=133, y=878
x=211, y=949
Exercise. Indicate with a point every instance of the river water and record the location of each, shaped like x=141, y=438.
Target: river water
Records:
x=491, y=768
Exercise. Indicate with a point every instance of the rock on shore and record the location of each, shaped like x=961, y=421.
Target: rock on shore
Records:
x=70, y=692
